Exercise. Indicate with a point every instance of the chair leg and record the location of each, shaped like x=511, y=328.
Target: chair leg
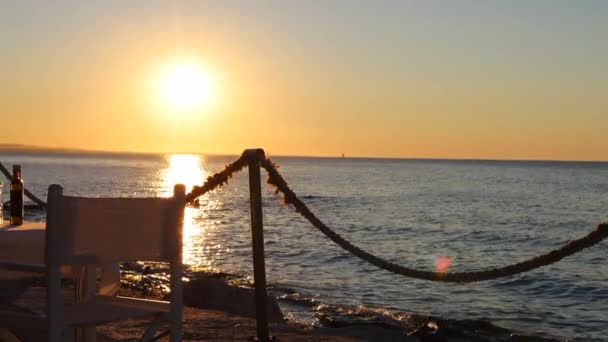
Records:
x=56, y=334
x=90, y=334
x=88, y=291
x=151, y=331
x=54, y=303
x=176, y=332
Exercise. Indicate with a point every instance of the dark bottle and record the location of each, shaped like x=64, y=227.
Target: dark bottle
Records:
x=17, y=196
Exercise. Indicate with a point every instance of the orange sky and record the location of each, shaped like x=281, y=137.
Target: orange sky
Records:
x=396, y=80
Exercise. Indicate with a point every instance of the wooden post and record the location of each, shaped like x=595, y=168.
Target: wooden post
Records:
x=53, y=273
x=176, y=312
x=257, y=236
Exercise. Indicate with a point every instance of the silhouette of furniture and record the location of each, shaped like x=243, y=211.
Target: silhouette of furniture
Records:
x=87, y=232
x=25, y=244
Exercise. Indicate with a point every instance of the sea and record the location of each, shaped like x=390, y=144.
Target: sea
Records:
x=444, y=215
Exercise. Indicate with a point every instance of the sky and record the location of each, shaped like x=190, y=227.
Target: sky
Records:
x=423, y=79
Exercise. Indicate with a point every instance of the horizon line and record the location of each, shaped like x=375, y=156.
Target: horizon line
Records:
x=17, y=148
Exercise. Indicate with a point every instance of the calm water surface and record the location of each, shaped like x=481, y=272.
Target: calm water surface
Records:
x=470, y=214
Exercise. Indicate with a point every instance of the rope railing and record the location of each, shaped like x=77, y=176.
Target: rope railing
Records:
x=288, y=197
x=218, y=179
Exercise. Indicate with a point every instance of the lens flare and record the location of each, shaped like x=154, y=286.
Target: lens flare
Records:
x=442, y=264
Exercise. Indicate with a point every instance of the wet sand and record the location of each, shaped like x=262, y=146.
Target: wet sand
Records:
x=203, y=324
x=224, y=323
x=210, y=325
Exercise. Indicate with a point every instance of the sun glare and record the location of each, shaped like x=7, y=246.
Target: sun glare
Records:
x=186, y=87
x=186, y=169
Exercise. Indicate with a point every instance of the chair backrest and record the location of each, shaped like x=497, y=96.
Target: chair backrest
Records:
x=114, y=229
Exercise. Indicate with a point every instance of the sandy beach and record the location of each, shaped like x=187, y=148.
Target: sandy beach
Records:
x=199, y=325
x=233, y=320
x=215, y=325
x=212, y=325
x=215, y=311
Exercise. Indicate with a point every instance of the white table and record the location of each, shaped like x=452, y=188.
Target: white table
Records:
x=25, y=244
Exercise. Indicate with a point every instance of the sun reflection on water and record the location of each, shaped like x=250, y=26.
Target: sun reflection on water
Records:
x=187, y=169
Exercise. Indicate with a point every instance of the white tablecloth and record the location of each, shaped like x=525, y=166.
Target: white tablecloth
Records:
x=25, y=244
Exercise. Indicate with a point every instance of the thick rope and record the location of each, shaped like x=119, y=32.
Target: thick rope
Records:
x=27, y=193
x=289, y=198
x=218, y=179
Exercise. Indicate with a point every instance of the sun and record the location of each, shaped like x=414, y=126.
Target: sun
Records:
x=186, y=87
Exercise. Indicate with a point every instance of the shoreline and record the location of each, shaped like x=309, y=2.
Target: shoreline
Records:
x=202, y=324
x=217, y=292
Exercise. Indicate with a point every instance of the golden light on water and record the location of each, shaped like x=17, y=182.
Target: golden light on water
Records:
x=186, y=169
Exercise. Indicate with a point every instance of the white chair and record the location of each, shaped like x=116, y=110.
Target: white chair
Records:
x=89, y=231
